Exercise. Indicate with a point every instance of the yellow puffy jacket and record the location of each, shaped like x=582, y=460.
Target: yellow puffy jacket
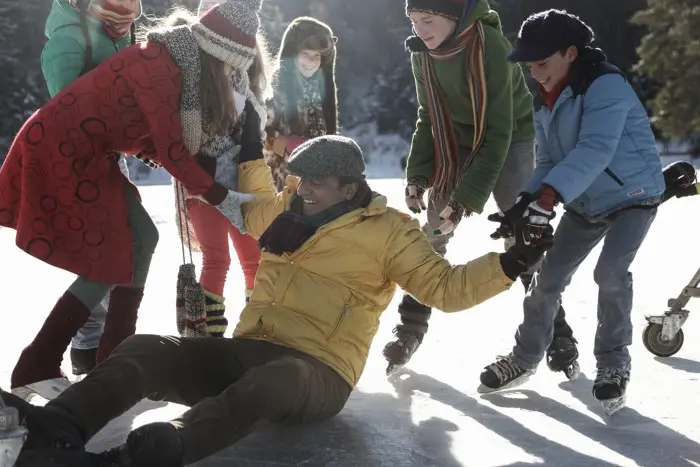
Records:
x=325, y=299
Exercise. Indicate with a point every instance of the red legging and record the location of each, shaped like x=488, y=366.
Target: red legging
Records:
x=212, y=230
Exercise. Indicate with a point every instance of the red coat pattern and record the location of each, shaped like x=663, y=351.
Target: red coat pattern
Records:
x=60, y=188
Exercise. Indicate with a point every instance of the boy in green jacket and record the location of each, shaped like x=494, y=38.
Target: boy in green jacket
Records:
x=81, y=34
x=474, y=134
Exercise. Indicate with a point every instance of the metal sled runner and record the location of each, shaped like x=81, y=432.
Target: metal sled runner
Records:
x=663, y=335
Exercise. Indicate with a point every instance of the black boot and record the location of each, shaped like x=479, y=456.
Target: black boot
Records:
x=562, y=353
x=155, y=444
x=83, y=360
x=409, y=334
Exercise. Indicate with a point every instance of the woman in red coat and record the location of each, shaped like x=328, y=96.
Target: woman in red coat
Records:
x=62, y=190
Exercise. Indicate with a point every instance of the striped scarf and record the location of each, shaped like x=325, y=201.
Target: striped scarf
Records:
x=447, y=172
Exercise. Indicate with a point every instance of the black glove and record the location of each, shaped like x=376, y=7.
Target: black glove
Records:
x=251, y=137
x=691, y=190
x=521, y=256
x=508, y=218
x=679, y=177
x=537, y=215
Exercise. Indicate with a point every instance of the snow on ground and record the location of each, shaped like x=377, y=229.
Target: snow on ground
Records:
x=432, y=414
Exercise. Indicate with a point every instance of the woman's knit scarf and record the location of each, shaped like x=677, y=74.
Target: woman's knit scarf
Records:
x=183, y=48
x=447, y=172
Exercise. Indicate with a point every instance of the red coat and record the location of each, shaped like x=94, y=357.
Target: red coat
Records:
x=61, y=190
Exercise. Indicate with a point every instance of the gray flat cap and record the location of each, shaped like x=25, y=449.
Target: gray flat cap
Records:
x=327, y=156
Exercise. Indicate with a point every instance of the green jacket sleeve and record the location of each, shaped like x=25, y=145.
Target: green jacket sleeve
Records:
x=62, y=61
x=478, y=181
x=421, y=158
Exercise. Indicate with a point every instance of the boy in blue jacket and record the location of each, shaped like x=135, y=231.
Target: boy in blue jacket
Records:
x=596, y=154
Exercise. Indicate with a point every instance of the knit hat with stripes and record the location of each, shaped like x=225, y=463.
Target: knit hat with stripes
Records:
x=227, y=31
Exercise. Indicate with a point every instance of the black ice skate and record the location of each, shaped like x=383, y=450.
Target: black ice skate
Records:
x=503, y=374
x=154, y=444
x=83, y=360
x=562, y=355
x=610, y=388
x=399, y=351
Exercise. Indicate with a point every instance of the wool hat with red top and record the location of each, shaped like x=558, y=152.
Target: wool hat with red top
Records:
x=451, y=9
x=547, y=32
x=228, y=32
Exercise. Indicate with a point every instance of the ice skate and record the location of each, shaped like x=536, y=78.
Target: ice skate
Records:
x=399, y=351
x=503, y=374
x=610, y=388
x=48, y=389
x=154, y=444
x=562, y=355
x=83, y=361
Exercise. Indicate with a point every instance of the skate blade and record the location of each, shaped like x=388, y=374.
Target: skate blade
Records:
x=573, y=371
x=47, y=390
x=393, y=368
x=612, y=406
x=482, y=389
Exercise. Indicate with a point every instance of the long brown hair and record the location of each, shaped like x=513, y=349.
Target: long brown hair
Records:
x=216, y=91
x=262, y=70
x=216, y=94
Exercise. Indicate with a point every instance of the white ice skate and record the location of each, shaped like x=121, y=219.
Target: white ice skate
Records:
x=42, y=391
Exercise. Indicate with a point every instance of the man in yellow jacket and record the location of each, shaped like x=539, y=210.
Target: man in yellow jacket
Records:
x=333, y=254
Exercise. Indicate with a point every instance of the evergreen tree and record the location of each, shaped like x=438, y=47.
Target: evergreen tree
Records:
x=670, y=55
x=22, y=87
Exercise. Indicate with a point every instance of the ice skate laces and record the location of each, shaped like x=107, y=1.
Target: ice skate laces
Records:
x=616, y=376
x=505, y=369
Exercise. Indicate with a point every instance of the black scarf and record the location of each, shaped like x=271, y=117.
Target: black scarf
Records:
x=291, y=229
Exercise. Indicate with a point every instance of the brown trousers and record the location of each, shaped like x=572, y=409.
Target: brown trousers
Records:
x=231, y=384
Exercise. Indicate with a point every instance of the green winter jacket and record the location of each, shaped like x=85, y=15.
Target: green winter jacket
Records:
x=509, y=113
x=63, y=57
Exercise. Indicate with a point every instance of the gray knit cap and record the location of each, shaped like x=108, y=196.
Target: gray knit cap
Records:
x=326, y=156
x=227, y=31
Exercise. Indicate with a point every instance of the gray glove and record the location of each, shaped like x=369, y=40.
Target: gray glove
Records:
x=230, y=207
x=227, y=168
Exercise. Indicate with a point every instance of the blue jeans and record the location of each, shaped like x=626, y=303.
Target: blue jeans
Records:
x=88, y=337
x=574, y=239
